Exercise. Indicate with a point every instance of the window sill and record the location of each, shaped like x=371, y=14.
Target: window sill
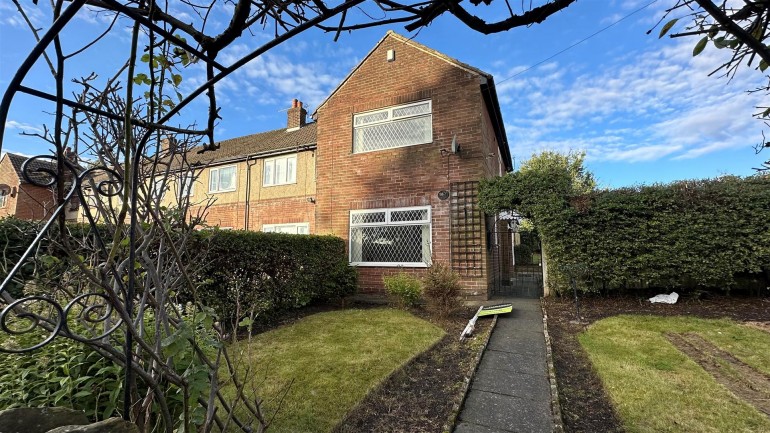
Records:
x=389, y=265
x=224, y=190
x=278, y=184
x=364, y=152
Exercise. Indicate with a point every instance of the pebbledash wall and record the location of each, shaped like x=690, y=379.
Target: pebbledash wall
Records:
x=406, y=176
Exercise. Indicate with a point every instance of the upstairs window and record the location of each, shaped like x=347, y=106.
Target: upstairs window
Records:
x=391, y=237
x=399, y=126
x=222, y=179
x=187, y=185
x=159, y=188
x=280, y=171
x=4, y=193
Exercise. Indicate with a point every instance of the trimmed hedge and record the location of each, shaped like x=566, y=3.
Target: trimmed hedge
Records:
x=15, y=237
x=240, y=271
x=270, y=272
x=684, y=235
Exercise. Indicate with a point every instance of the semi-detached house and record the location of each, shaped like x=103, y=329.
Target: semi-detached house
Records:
x=390, y=163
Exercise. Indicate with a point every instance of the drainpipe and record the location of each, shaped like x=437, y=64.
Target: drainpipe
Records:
x=248, y=191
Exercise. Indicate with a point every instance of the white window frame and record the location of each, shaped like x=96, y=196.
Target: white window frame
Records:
x=273, y=163
x=389, y=223
x=186, y=179
x=390, y=118
x=216, y=170
x=271, y=228
x=159, y=187
x=4, y=197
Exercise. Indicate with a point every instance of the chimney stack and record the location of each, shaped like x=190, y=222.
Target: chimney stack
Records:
x=167, y=145
x=297, y=115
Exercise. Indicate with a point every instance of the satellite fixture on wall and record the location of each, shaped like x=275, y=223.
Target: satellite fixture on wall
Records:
x=455, y=146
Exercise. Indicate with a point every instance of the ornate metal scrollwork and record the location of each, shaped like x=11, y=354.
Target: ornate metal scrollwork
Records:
x=44, y=315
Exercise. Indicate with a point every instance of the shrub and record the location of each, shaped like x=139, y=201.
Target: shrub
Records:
x=63, y=373
x=404, y=289
x=442, y=290
x=247, y=273
x=695, y=234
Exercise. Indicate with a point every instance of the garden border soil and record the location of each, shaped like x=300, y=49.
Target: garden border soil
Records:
x=421, y=396
x=558, y=423
x=585, y=405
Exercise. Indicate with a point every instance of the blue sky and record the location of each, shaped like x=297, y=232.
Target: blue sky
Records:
x=642, y=108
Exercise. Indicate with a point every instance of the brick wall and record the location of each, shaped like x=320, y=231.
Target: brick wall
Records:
x=8, y=177
x=28, y=202
x=406, y=176
x=272, y=211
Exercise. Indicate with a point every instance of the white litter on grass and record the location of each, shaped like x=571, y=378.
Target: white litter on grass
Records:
x=665, y=299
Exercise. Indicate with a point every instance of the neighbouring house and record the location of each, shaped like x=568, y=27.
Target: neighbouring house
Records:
x=391, y=163
x=25, y=200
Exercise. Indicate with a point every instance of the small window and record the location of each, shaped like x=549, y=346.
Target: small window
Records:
x=280, y=171
x=159, y=188
x=222, y=179
x=391, y=237
x=293, y=229
x=187, y=185
x=4, y=193
x=400, y=126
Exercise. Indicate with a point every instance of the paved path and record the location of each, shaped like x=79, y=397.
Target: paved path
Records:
x=510, y=391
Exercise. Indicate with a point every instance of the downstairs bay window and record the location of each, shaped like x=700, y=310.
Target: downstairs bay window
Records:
x=391, y=237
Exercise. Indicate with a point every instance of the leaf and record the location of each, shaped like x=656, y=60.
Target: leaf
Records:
x=177, y=79
x=700, y=46
x=720, y=42
x=762, y=65
x=145, y=58
x=667, y=27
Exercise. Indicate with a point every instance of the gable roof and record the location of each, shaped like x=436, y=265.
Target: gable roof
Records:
x=411, y=43
x=17, y=161
x=262, y=143
x=488, y=89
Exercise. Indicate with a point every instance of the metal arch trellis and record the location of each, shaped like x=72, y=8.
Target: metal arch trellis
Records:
x=96, y=307
x=112, y=308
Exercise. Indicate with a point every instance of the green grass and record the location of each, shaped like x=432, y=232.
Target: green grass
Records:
x=334, y=359
x=657, y=388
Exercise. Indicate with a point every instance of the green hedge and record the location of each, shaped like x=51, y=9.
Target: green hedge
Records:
x=270, y=272
x=15, y=237
x=237, y=271
x=692, y=234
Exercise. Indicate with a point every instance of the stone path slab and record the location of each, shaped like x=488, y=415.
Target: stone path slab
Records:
x=510, y=392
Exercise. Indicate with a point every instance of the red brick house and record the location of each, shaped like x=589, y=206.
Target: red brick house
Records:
x=391, y=164
x=22, y=199
x=402, y=142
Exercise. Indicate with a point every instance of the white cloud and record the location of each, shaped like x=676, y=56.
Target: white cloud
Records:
x=647, y=106
x=271, y=75
x=23, y=127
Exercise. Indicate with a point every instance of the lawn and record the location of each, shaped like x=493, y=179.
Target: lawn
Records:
x=656, y=387
x=331, y=361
